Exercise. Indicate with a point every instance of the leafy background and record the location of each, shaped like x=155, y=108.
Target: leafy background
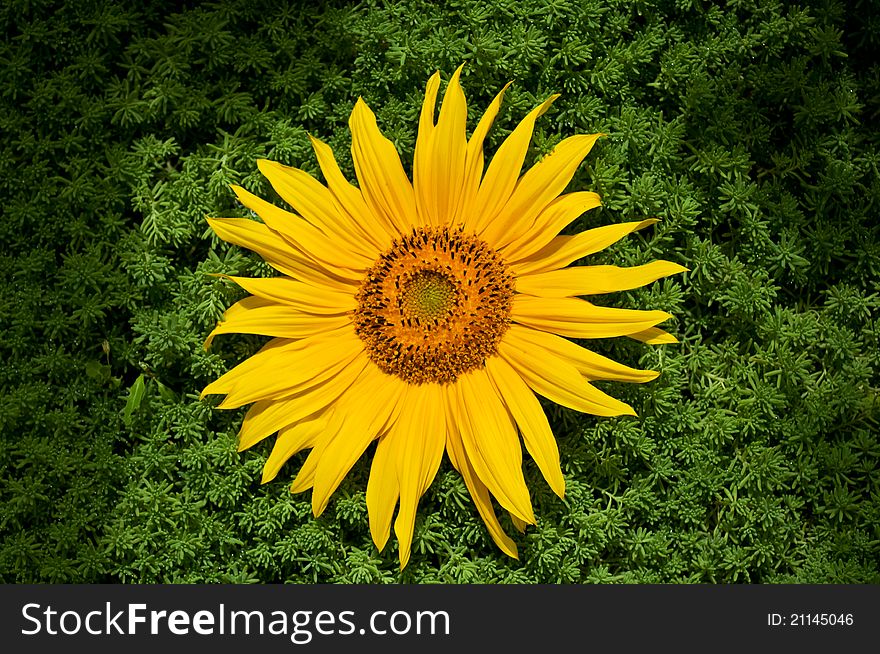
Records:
x=749, y=127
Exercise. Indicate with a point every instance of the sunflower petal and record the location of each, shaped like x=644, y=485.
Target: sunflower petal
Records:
x=419, y=440
x=362, y=422
x=264, y=357
x=258, y=237
x=478, y=490
x=557, y=215
x=383, y=182
x=383, y=492
x=305, y=478
x=538, y=186
x=306, y=364
x=236, y=311
x=529, y=416
x=291, y=440
x=263, y=418
x=315, y=203
x=594, y=280
x=557, y=380
x=448, y=152
x=246, y=305
x=439, y=161
x=518, y=524
x=491, y=443
x=308, y=238
x=423, y=164
x=304, y=297
x=503, y=172
x=350, y=201
x=578, y=318
x=473, y=166
x=562, y=250
x=268, y=416
x=306, y=475
x=591, y=365
x=653, y=336
x=271, y=319
x=277, y=252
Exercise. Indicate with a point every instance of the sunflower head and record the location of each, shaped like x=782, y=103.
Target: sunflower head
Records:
x=425, y=316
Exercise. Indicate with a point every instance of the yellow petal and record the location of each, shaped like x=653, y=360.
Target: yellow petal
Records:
x=653, y=336
x=491, y=442
x=308, y=238
x=529, y=416
x=263, y=418
x=382, y=492
x=439, y=162
x=291, y=440
x=350, y=200
x=478, y=490
x=292, y=386
x=538, y=187
x=591, y=365
x=578, y=318
x=503, y=172
x=562, y=250
x=557, y=380
x=316, y=204
x=307, y=363
x=518, y=524
x=268, y=416
x=237, y=310
x=270, y=319
x=277, y=252
x=244, y=306
x=257, y=237
x=306, y=475
x=448, y=153
x=305, y=297
x=423, y=156
x=383, y=182
x=557, y=215
x=419, y=438
x=264, y=357
x=594, y=280
x=473, y=166
x=365, y=410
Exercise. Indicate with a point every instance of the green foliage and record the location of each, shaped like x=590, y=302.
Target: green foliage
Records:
x=749, y=127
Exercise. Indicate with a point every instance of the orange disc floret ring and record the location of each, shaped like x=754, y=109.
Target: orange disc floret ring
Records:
x=434, y=306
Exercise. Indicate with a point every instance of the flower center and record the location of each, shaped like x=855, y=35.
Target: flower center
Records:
x=434, y=306
x=428, y=295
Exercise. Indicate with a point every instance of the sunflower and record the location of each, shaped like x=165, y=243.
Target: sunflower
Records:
x=426, y=316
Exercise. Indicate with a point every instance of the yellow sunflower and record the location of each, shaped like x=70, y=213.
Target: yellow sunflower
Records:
x=425, y=316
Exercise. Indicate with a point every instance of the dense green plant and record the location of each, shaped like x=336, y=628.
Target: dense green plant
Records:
x=749, y=127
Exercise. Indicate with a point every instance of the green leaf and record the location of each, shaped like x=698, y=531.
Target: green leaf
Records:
x=98, y=371
x=135, y=398
x=165, y=393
